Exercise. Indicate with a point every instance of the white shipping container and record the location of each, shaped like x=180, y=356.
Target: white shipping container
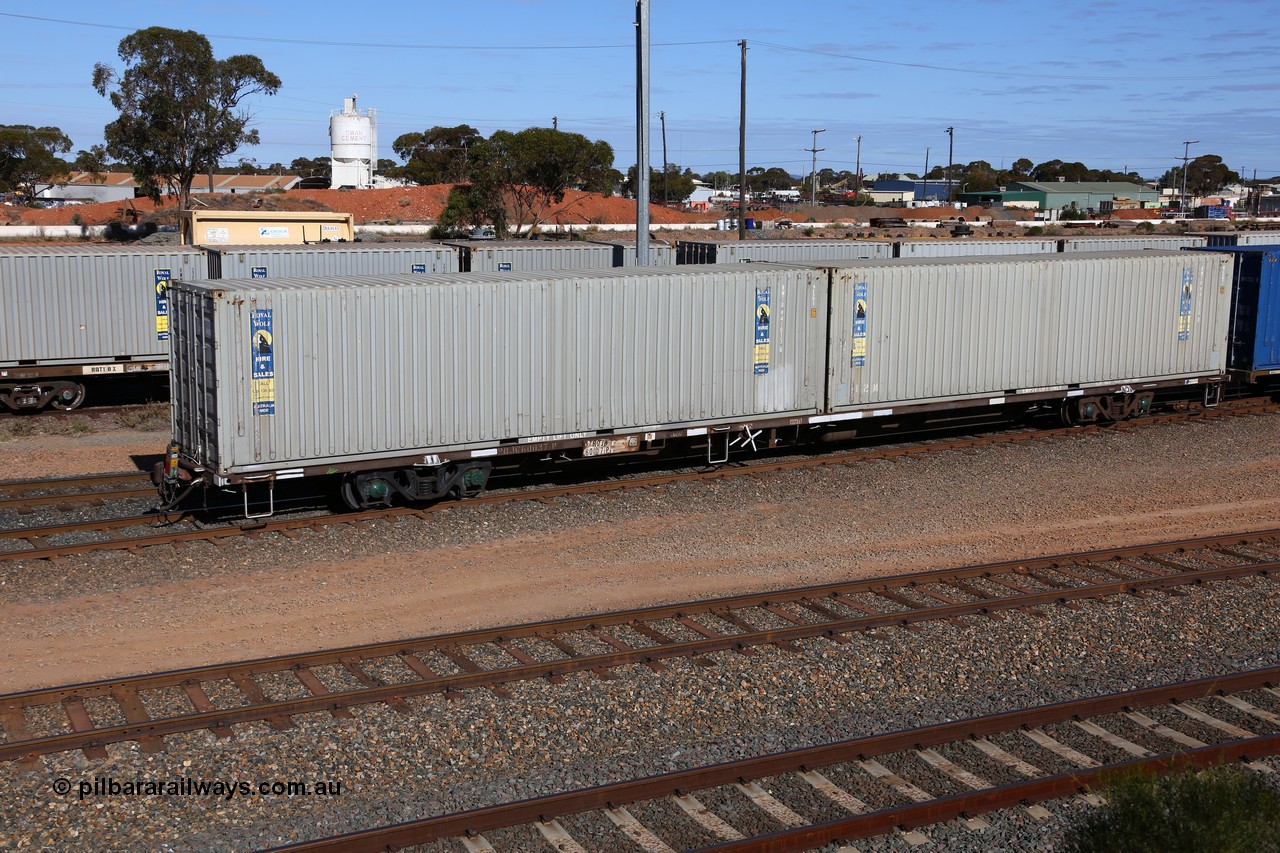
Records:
x=535, y=256
x=1132, y=242
x=1258, y=238
x=960, y=248
x=325, y=259
x=624, y=253
x=937, y=330
x=277, y=373
x=65, y=305
x=779, y=251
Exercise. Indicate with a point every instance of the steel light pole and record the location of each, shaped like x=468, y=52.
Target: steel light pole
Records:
x=1182, y=199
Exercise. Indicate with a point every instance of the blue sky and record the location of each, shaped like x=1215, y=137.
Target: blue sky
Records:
x=1111, y=84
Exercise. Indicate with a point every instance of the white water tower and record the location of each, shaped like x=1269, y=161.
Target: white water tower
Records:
x=353, y=138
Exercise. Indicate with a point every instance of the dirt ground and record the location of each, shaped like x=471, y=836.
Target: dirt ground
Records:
x=424, y=205
x=470, y=567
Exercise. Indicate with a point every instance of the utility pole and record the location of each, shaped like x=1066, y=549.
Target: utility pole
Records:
x=924, y=194
x=857, y=171
x=742, y=148
x=1182, y=199
x=813, y=172
x=642, y=133
x=662, y=116
x=951, y=139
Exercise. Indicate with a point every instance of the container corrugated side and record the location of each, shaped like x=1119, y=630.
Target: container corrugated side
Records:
x=1131, y=243
x=67, y=305
x=366, y=368
x=624, y=253
x=1258, y=238
x=950, y=330
x=538, y=256
x=329, y=259
x=965, y=248
x=779, y=251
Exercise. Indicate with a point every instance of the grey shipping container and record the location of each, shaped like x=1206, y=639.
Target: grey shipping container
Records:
x=1132, y=242
x=624, y=253
x=89, y=305
x=534, y=256
x=323, y=259
x=1258, y=238
x=271, y=375
x=948, y=248
x=931, y=331
x=778, y=251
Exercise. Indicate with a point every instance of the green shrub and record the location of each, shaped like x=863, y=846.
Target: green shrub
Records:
x=1224, y=810
x=1145, y=227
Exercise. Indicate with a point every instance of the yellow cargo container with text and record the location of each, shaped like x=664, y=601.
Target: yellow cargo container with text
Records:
x=265, y=228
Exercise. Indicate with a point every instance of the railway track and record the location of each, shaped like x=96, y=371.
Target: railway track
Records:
x=49, y=541
x=890, y=783
x=27, y=495
x=148, y=707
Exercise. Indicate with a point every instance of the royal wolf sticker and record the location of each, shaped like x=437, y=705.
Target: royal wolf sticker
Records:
x=163, y=277
x=263, y=358
x=763, y=316
x=859, y=355
x=1184, y=306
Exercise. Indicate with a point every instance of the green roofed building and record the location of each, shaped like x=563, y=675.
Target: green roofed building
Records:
x=1055, y=195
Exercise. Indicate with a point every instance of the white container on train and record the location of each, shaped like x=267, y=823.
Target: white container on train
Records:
x=1258, y=238
x=321, y=259
x=949, y=248
x=97, y=305
x=278, y=376
x=778, y=251
x=938, y=333
x=533, y=256
x=624, y=253
x=1130, y=242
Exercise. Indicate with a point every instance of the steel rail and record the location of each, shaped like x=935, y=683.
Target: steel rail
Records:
x=19, y=503
x=653, y=613
x=77, y=481
x=45, y=552
x=618, y=794
x=430, y=683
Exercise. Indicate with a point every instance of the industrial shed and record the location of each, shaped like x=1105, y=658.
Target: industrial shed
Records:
x=1055, y=195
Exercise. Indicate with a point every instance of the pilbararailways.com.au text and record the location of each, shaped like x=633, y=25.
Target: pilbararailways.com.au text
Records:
x=226, y=789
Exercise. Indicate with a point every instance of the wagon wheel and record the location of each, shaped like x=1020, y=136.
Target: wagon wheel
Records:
x=348, y=492
x=68, y=397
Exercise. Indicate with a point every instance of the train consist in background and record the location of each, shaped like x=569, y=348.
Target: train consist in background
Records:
x=74, y=316
x=415, y=387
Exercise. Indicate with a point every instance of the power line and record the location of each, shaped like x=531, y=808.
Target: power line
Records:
x=1003, y=72
x=379, y=45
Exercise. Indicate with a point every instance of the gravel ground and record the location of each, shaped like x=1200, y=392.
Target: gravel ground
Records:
x=443, y=755
x=470, y=568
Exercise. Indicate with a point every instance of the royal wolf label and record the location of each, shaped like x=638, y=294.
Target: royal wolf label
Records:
x=263, y=358
x=163, y=277
x=1184, y=305
x=859, y=325
x=763, y=316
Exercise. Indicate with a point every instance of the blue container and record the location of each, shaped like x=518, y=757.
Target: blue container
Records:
x=1253, y=349
x=751, y=224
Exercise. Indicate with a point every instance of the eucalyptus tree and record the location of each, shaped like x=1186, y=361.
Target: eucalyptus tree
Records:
x=181, y=109
x=29, y=155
